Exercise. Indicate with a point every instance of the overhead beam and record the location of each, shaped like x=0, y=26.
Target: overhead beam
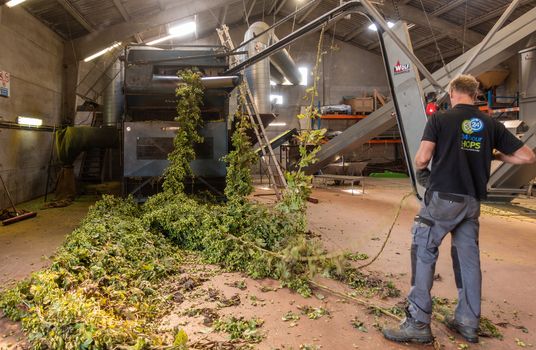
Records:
x=493, y=14
x=309, y=11
x=447, y=7
x=272, y=8
x=355, y=33
x=446, y=54
x=440, y=26
x=76, y=15
x=122, y=10
x=96, y=41
x=161, y=5
x=428, y=41
x=251, y=7
x=283, y=2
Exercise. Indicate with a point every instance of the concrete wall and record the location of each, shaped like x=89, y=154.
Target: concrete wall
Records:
x=33, y=54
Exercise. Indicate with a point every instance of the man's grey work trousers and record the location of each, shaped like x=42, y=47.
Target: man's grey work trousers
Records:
x=440, y=214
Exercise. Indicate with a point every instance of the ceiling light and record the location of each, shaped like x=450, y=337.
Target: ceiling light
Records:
x=176, y=32
x=183, y=29
x=158, y=41
x=29, y=121
x=278, y=124
x=373, y=27
x=14, y=3
x=102, y=52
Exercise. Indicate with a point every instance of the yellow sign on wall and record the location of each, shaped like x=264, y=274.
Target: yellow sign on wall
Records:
x=4, y=83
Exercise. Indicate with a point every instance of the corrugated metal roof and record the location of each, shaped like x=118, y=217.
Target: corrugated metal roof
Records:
x=101, y=14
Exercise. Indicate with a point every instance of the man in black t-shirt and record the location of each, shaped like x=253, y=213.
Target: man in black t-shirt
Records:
x=462, y=142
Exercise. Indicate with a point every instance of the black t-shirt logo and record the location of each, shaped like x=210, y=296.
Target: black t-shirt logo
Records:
x=469, y=141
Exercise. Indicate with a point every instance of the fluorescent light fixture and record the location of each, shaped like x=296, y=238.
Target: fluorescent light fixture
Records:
x=373, y=27
x=276, y=99
x=158, y=41
x=14, y=3
x=286, y=82
x=277, y=124
x=304, y=75
x=102, y=52
x=183, y=29
x=29, y=121
x=176, y=32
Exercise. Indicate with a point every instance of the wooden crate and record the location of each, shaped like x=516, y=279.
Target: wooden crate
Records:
x=361, y=104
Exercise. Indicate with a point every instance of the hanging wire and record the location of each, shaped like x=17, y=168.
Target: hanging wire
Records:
x=263, y=6
x=215, y=17
x=464, y=27
x=433, y=34
x=245, y=12
x=293, y=25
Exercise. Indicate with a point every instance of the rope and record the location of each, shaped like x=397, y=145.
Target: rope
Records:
x=388, y=236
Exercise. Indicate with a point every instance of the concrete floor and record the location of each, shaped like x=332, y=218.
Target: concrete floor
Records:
x=348, y=223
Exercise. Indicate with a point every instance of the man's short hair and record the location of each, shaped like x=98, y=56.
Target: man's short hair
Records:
x=465, y=84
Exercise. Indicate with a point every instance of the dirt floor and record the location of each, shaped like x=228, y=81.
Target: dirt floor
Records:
x=344, y=222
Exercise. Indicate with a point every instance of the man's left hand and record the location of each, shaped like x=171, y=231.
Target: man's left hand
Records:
x=423, y=177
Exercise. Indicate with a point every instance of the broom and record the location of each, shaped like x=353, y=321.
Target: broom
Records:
x=17, y=215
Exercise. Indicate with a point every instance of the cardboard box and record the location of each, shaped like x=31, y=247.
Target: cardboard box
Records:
x=360, y=104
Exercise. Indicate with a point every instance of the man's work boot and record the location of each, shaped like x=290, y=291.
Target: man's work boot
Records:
x=410, y=330
x=468, y=333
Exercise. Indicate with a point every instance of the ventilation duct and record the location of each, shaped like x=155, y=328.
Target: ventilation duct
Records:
x=113, y=100
x=258, y=75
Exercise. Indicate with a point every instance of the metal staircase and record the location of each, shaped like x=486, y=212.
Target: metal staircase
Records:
x=275, y=173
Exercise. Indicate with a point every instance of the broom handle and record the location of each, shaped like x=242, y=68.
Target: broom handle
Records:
x=8, y=195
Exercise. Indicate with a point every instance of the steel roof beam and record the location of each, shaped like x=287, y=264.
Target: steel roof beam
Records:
x=121, y=10
x=308, y=12
x=76, y=15
x=98, y=40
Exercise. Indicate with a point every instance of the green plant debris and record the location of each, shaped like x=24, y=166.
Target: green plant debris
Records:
x=239, y=328
x=488, y=329
x=463, y=346
x=367, y=285
x=356, y=256
x=102, y=288
x=313, y=313
x=522, y=344
x=239, y=285
x=359, y=325
x=309, y=347
x=290, y=316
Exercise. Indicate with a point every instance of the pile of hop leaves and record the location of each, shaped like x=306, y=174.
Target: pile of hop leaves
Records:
x=102, y=287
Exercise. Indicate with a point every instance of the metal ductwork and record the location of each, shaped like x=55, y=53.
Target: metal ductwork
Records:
x=258, y=75
x=113, y=100
x=282, y=61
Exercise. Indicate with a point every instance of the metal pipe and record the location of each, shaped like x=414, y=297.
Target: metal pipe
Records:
x=490, y=35
x=165, y=81
x=335, y=14
x=381, y=21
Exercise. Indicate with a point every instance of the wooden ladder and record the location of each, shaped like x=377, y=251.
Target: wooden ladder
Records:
x=275, y=173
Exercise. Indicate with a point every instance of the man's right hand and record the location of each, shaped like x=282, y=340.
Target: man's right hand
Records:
x=423, y=177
